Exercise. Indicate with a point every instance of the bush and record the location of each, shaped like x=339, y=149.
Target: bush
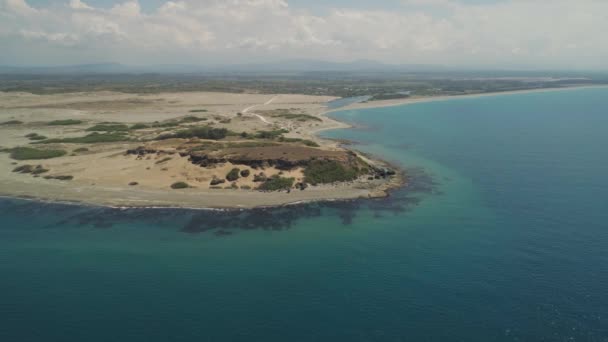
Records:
x=35, y=136
x=322, y=172
x=198, y=111
x=204, y=132
x=64, y=122
x=89, y=139
x=260, y=178
x=164, y=160
x=245, y=173
x=61, y=178
x=139, y=126
x=233, y=175
x=190, y=119
x=81, y=149
x=270, y=134
x=27, y=153
x=180, y=185
x=12, y=122
x=276, y=183
x=108, y=128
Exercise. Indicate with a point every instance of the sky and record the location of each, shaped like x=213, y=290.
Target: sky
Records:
x=526, y=34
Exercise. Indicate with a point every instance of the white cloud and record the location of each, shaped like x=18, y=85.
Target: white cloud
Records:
x=512, y=32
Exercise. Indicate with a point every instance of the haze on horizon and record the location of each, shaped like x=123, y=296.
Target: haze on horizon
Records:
x=538, y=34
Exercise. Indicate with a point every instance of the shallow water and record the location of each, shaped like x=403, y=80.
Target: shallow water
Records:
x=502, y=236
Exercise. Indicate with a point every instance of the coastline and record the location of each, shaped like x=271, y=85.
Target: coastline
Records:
x=79, y=193
x=425, y=99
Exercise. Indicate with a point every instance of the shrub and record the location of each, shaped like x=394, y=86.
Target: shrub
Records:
x=245, y=187
x=180, y=185
x=204, y=132
x=81, y=149
x=24, y=169
x=260, y=178
x=27, y=153
x=190, y=119
x=139, y=126
x=245, y=173
x=276, y=183
x=270, y=134
x=61, y=178
x=322, y=172
x=12, y=122
x=89, y=139
x=233, y=175
x=108, y=128
x=164, y=160
x=198, y=111
x=35, y=136
x=298, y=117
x=64, y=122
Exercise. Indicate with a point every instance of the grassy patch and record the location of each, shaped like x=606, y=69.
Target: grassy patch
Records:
x=276, y=183
x=108, y=128
x=180, y=185
x=67, y=122
x=198, y=111
x=164, y=160
x=28, y=153
x=323, y=172
x=81, y=149
x=92, y=138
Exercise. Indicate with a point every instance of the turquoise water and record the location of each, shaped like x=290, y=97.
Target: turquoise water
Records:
x=502, y=236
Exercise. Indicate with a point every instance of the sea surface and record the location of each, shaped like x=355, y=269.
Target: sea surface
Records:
x=502, y=235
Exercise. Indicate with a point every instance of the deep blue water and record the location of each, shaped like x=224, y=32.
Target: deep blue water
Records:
x=502, y=236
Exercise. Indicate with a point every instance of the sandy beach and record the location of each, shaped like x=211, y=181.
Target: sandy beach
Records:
x=102, y=174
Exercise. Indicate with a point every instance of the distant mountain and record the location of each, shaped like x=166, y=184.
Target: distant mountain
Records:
x=295, y=65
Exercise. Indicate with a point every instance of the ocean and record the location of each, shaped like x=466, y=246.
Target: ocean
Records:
x=501, y=235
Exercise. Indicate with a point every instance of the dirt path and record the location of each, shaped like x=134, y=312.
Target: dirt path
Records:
x=246, y=110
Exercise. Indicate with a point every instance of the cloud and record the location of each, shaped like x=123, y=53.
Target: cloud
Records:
x=557, y=33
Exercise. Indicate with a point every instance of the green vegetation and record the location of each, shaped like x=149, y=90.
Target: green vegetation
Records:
x=67, y=122
x=198, y=111
x=81, y=149
x=204, y=132
x=276, y=183
x=35, y=136
x=28, y=153
x=233, y=175
x=12, y=122
x=92, y=138
x=61, y=178
x=271, y=135
x=309, y=143
x=245, y=173
x=180, y=185
x=139, y=126
x=39, y=170
x=190, y=119
x=297, y=117
x=108, y=128
x=164, y=160
x=323, y=172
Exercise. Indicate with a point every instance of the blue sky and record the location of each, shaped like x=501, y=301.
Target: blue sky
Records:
x=562, y=34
